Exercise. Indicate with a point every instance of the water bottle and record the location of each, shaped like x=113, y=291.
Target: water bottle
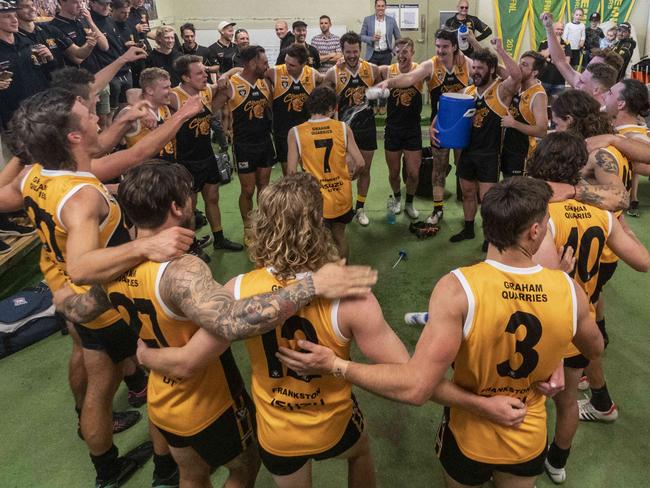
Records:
x=416, y=318
x=390, y=216
x=463, y=35
x=374, y=93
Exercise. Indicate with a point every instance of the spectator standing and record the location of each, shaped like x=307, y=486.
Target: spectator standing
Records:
x=327, y=44
x=379, y=33
x=299, y=28
x=593, y=35
x=165, y=53
x=222, y=51
x=552, y=80
x=139, y=20
x=473, y=24
x=242, y=40
x=282, y=31
x=575, y=35
x=190, y=46
x=624, y=46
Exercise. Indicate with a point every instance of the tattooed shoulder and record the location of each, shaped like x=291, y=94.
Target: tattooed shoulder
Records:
x=606, y=161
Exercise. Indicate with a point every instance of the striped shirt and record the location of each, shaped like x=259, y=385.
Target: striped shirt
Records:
x=326, y=45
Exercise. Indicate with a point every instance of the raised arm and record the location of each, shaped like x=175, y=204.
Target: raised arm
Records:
x=187, y=286
x=511, y=84
x=557, y=52
x=104, y=77
x=404, y=80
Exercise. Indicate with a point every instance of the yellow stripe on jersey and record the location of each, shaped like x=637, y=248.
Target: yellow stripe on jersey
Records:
x=519, y=323
x=491, y=98
x=283, y=81
x=44, y=194
x=183, y=96
x=440, y=73
x=323, y=148
x=296, y=415
x=181, y=406
x=393, y=71
x=131, y=138
x=343, y=77
x=240, y=90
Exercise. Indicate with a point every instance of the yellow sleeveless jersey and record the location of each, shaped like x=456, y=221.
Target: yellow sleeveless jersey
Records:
x=45, y=193
x=351, y=87
x=181, y=406
x=323, y=146
x=296, y=415
x=289, y=97
x=132, y=137
x=521, y=109
x=519, y=323
x=625, y=175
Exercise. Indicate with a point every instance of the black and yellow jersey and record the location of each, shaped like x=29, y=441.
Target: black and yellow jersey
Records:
x=250, y=106
x=486, y=124
x=521, y=108
x=404, y=105
x=289, y=97
x=139, y=131
x=444, y=81
x=351, y=87
x=194, y=139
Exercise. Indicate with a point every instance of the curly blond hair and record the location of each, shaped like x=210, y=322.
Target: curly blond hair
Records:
x=288, y=232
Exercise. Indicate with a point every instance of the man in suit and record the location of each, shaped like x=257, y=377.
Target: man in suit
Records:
x=379, y=33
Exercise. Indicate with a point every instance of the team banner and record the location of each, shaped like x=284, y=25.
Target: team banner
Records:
x=617, y=10
x=537, y=7
x=511, y=16
x=588, y=6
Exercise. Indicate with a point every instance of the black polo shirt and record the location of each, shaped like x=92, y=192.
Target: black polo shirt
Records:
x=74, y=30
x=313, y=60
x=198, y=50
x=157, y=59
x=222, y=55
x=28, y=78
x=115, y=45
x=52, y=37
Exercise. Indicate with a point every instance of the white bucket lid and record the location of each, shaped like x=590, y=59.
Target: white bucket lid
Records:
x=461, y=96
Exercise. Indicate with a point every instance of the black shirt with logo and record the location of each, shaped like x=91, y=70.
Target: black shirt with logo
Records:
x=75, y=30
x=313, y=60
x=222, y=55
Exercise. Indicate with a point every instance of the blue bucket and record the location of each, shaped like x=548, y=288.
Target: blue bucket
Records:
x=454, y=122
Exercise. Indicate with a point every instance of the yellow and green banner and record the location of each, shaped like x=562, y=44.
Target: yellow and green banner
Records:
x=511, y=16
x=589, y=7
x=616, y=10
x=537, y=7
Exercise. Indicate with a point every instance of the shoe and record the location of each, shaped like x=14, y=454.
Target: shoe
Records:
x=557, y=475
x=137, y=398
x=588, y=412
x=10, y=228
x=121, y=421
x=195, y=250
x=411, y=211
x=461, y=236
x=205, y=241
x=227, y=245
x=4, y=247
x=129, y=464
x=199, y=220
x=394, y=205
x=583, y=384
x=435, y=217
x=427, y=230
x=171, y=481
x=361, y=217
x=633, y=210
x=484, y=246
x=414, y=227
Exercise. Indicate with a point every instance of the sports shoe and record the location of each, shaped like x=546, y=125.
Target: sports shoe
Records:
x=128, y=465
x=633, y=210
x=4, y=247
x=171, y=481
x=121, y=422
x=411, y=211
x=557, y=475
x=588, y=412
x=10, y=228
x=227, y=244
x=435, y=217
x=137, y=398
x=205, y=241
x=583, y=384
x=361, y=217
x=394, y=205
x=195, y=250
x=199, y=220
x=461, y=236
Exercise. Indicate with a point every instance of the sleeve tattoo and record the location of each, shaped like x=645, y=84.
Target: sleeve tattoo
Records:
x=188, y=285
x=607, y=197
x=85, y=307
x=606, y=161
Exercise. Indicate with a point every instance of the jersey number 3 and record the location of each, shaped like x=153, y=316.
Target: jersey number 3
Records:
x=524, y=347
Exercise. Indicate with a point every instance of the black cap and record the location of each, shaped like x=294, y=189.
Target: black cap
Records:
x=625, y=25
x=298, y=23
x=595, y=16
x=8, y=6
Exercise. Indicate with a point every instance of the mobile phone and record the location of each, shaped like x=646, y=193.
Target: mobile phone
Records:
x=6, y=75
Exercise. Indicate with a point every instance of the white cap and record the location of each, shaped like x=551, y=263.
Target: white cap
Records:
x=223, y=24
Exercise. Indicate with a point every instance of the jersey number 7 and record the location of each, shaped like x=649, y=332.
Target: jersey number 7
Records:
x=327, y=144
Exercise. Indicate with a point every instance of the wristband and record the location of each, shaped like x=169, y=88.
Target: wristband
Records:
x=340, y=367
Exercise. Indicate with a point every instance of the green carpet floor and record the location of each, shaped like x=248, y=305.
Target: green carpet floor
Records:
x=39, y=446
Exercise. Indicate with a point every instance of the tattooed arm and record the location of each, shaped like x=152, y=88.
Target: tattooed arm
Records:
x=83, y=307
x=187, y=287
x=608, y=197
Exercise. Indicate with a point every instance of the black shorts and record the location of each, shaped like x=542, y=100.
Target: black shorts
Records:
x=346, y=218
x=365, y=134
x=474, y=473
x=203, y=173
x=117, y=340
x=283, y=466
x=481, y=167
x=605, y=273
x=576, y=362
x=281, y=147
x=249, y=157
x=225, y=438
x=403, y=138
x=512, y=164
